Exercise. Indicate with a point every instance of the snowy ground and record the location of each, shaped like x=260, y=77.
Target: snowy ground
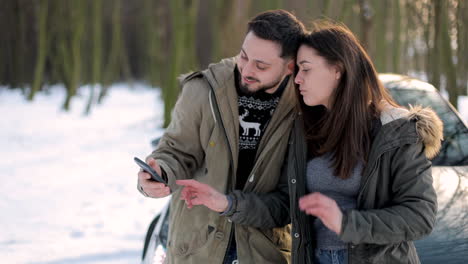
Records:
x=68, y=182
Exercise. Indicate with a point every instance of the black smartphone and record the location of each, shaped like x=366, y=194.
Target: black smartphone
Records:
x=147, y=168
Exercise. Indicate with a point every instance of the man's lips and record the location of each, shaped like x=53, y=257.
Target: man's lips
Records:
x=249, y=81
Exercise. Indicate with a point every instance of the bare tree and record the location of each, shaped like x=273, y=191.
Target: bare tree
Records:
x=181, y=55
x=96, y=51
x=462, y=46
x=366, y=14
x=42, y=47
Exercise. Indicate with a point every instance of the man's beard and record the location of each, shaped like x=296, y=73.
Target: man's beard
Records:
x=244, y=89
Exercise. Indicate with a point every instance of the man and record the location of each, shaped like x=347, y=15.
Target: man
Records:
x=229, y=135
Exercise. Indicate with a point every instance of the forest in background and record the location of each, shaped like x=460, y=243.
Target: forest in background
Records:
x=100, y=42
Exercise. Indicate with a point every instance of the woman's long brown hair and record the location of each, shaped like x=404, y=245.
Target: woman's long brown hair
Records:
x=344, y=128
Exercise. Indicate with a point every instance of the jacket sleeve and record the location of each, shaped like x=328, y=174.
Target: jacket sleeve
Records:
x=179, y=152
x=268, y=210
x=410, y=214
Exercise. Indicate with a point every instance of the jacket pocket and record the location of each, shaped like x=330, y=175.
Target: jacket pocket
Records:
x=191, y=242
x=270, y=245
x=394, y=253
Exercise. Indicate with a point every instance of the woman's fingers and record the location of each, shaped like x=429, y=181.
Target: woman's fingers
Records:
x=311, y=200
x=324, y=208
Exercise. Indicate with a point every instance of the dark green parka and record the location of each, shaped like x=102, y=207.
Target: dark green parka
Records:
x=396, y=203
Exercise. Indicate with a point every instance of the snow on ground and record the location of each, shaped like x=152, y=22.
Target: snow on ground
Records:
x=68, y=181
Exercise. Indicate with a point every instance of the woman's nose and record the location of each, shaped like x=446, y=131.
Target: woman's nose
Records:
x=298, y=79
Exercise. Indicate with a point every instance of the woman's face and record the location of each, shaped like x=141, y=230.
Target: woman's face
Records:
x=317, y=79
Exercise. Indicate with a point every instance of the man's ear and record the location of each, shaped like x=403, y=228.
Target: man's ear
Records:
x=291, y=65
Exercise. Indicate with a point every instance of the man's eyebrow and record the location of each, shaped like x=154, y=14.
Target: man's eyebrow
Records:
x=259, y=61
x=242, y=49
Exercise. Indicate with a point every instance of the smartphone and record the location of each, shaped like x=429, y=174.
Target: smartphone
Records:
x=147, y=168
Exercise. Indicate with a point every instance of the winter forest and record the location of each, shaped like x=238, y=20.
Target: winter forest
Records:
x=100, y=42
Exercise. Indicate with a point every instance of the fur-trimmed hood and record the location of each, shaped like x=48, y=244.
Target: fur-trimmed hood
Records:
x=428, y=125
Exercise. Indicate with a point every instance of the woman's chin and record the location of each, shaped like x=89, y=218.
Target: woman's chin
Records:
x=314, y=104
x=310, y=103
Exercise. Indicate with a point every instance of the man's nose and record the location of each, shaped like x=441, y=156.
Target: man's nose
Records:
x=248, y=70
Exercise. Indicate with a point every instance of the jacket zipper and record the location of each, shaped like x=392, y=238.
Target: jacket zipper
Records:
x=361, y=189
x=211, y=106
x=229, y=245
x=374, y=167
x=252, y=175
x=301, y=169
x=215, y=104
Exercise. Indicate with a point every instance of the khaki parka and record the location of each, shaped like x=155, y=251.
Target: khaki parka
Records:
x=201, y=143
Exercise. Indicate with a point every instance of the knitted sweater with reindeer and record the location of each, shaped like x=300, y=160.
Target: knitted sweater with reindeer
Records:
x=255, y=111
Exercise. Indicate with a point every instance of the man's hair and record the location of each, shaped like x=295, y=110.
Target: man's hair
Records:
x=281, y=27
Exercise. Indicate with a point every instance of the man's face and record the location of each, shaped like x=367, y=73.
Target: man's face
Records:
x=260, y=65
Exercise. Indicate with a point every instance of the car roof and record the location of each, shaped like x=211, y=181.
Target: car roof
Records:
x=397, y=81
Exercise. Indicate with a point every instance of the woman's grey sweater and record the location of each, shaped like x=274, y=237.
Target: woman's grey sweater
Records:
x=320, y=178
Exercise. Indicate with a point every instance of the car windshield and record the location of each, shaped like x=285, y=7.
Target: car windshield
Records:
x=454, y=149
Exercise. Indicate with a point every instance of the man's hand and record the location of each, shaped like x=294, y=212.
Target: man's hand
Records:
x=324, y=208
x=150, y=187
x=196, y=193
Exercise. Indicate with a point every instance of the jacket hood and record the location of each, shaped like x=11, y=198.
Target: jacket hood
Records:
x=429, y=127
x=219, y=73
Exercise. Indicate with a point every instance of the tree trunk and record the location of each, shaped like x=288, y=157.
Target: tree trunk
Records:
x=77, y=23
x=396, y=36
x=434, y=70
x=19, y=47
x=42, y=46
x=96, y=51
x=407, y=59
x=111, y=71
x=462, y=51
x=182, y=56
x=366, y=15
x=346, y=10
x=380, y=54
x=152, y=31
x=447, y=55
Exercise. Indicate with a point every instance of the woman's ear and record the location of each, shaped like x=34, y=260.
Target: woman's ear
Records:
x=338, y=71
x=337, y=75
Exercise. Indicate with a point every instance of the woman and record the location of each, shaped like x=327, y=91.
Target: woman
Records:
x=360, y=179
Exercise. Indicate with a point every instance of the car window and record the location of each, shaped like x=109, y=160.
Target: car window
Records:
x=454, y=149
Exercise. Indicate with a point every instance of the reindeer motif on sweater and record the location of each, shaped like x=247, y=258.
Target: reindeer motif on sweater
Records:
x=249, y=125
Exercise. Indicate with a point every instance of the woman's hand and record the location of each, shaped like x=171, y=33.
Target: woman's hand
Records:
x=324, y=208
x=196, y=193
